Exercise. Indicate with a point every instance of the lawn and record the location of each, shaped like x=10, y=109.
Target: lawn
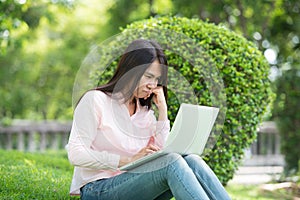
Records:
x=34, y=175
x=48, y=176
x=252, y=192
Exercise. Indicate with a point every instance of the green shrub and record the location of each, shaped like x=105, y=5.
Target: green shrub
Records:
x=287, y=116
x=222, y=68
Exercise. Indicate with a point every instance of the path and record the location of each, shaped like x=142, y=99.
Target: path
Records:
x=256, y=174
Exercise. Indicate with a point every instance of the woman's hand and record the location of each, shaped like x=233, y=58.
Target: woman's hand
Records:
x=160, y=101
x=159, y=97
x=143, y=152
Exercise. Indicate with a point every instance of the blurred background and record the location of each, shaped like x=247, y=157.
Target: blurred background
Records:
x=43, y=43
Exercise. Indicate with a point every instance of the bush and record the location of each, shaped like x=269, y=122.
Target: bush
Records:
x=222, y=68
x=287, y=116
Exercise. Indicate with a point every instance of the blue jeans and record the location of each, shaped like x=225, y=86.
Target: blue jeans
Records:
x=184, y=178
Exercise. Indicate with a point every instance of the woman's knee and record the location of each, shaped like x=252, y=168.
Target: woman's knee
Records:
x=190, y=159
x=194, y=160
x=197, y=164
x=171, y=158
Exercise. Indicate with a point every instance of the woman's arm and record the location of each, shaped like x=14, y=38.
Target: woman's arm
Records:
x=87, y=118
x=163, y=124
x=160, y=101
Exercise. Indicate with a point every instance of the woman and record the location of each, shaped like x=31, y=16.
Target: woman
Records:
x=114, y=125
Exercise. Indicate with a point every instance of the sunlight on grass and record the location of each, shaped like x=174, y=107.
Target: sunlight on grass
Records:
x=34, y=175
x=253, y=192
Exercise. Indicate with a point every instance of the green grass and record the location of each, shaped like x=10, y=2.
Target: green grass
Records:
x=253, y=192
x=34, y=175
x=48, y=176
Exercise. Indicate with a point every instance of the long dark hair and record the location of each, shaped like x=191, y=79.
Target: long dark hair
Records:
x=139, y=55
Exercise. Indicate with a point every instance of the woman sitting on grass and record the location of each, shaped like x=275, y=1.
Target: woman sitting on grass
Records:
x=114, y=125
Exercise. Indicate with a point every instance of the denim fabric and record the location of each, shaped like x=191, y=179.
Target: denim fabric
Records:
x=185, y=178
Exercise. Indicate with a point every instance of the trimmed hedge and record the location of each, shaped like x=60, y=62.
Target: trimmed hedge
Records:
x=221, y=68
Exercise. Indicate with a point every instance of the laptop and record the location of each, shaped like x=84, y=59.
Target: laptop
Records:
x=189, y=133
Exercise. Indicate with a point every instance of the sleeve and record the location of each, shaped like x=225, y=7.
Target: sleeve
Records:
x=86, y=120
x=162, y=129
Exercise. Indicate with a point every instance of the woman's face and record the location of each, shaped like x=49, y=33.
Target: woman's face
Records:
x=148, y=81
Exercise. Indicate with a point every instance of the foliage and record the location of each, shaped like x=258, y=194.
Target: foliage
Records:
x=44, y=42
x=124, y=12
x=16, y=15
x=239, y=63
x=39, y=67
x=270, y=24
x=34, y=175
x=274, y=26
x=22, y=78
x=287, y=116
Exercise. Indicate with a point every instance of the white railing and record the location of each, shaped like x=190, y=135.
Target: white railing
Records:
x=26, y=135
x=38, y=136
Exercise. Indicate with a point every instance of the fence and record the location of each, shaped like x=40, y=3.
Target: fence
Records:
x=39, y=136
x=35, y=136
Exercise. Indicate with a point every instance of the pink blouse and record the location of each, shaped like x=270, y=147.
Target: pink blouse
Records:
x=102, y=131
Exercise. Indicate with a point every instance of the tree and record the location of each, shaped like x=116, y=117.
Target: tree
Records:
x=33, y=60
x=16, y=15
x=287, y=117
x=17, y=19
x=123, y=12
x=270, y=24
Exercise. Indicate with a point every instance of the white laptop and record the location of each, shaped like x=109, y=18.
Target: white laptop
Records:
x=189, y=134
